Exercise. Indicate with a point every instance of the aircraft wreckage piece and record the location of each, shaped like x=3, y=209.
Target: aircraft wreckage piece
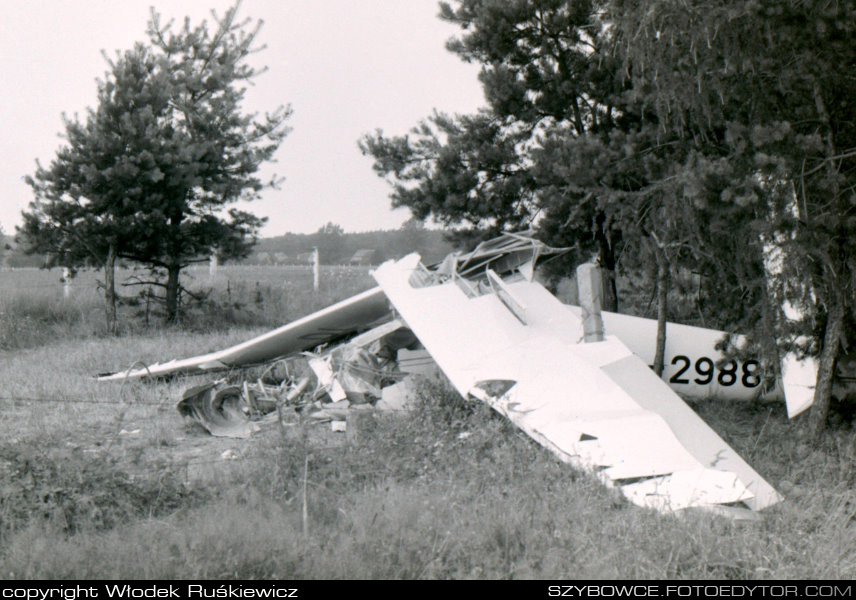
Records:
x=691, y=359
x=503, y=254
x=318, y=386
x=692, y=365
x=224, y=410
x=595, y=405
x=337, y=321
x=691, y=355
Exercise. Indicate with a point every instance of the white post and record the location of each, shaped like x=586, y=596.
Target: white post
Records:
x=66, y=282
x=590, y=287
x=316, y=270
x=212, y=265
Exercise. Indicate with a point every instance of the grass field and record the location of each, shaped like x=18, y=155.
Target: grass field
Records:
x=106, y=481
x=34, y=309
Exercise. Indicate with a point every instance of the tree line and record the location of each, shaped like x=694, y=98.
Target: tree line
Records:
x=715, y=137
x=335, y=247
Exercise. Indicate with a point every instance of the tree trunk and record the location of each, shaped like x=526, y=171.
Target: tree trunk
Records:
x=606, y=258
x=835, y=315
x=825, y=371
x=172, y=293
x=610, y=291
x=110, y=291
x=662, y=311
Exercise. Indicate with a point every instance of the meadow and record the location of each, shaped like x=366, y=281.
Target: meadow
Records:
x=105, y=480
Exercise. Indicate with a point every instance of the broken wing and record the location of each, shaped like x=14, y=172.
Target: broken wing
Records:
x=595, y=405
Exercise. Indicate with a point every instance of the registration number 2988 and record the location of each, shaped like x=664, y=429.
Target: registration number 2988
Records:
x=705, y=372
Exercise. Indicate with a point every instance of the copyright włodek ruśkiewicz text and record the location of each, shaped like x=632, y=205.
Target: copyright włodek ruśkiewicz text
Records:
x=192, y=590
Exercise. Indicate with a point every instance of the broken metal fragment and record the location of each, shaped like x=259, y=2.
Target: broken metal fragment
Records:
x=234, y=411
x=358, y=372
x=222, y=410
x=320, y=387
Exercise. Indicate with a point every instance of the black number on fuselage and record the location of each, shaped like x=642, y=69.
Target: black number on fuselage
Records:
x=750, y=378
x=728, y=375
x=704, y=367
x=676, y=378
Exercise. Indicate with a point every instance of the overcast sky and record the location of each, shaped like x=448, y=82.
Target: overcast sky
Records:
x=346, y=67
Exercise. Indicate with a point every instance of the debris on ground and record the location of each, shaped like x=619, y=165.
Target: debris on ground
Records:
x=318, y=387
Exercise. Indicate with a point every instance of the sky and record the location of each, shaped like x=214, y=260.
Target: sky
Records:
x=346, y=67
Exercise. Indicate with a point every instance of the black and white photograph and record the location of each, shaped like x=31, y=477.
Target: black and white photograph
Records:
x=301, y=293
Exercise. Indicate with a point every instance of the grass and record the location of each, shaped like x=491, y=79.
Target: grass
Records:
x=420, y=500
x=105, y=481
x=34, y=311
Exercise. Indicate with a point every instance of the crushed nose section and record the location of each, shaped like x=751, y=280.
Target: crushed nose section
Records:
x=322, y=386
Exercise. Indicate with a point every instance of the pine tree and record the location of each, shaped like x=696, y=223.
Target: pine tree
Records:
x=763, y=88
x=543, y=70
x=149, y=174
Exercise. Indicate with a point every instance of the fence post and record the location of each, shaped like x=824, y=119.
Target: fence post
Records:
x=66, y=282
x=212, y=265
x=316, y=270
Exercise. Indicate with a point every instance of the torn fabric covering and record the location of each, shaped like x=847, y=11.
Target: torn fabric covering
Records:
x=595, y=405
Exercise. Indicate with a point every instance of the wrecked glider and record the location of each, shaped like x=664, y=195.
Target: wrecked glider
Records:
x=501, y=338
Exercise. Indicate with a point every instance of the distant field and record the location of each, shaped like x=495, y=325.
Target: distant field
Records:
x=34, y=308
x=47, y=283
x=105, y=480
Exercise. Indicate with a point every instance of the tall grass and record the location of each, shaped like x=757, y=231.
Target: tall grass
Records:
x=450, y=490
